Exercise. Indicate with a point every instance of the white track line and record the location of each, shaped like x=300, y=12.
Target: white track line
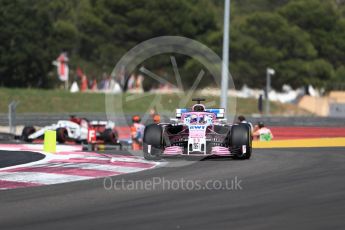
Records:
x=41, y=178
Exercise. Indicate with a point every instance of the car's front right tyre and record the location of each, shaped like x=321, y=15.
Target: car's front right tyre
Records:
x=151, y=153
x=152, y=142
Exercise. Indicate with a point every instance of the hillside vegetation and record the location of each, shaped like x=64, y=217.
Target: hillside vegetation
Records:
x=303, y=40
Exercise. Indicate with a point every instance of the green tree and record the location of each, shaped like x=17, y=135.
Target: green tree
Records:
x=268, y=40
x=323, y=21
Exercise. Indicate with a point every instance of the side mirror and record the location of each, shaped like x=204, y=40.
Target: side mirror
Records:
x=187, y=120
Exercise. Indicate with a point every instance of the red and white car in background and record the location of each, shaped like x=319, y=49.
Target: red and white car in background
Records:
x=78, y=130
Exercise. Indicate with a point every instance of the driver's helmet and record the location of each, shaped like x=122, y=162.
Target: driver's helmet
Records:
x=202, y=119
x=198, y=108
x=194, y=118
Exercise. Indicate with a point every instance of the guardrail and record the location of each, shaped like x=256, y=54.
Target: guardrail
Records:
x=42, y=119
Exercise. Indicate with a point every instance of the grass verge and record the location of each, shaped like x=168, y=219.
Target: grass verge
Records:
x=58, y=101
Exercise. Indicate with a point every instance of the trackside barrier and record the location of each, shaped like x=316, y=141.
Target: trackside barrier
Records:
x=301, y=143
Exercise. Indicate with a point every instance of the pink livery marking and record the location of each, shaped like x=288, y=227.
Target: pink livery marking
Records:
x=218, y=150
x=173, y=150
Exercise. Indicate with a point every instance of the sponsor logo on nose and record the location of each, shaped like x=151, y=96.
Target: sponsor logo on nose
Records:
x=197, y=127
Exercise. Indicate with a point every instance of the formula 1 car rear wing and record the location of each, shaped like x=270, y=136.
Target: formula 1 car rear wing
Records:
x=218, y=112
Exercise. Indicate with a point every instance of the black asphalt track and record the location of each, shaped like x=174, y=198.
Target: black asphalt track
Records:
x=10, y=158
x=281, y=189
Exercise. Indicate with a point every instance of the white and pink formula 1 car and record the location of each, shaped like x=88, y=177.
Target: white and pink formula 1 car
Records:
x=197, y=131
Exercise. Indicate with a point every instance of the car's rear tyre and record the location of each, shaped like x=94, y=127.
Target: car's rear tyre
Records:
x=110, y=136
x=27, y=131
x=240, y=139
x=61, y=135
x=152, y=142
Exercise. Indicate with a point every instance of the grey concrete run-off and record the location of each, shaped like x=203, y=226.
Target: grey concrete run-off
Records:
x=279, y=189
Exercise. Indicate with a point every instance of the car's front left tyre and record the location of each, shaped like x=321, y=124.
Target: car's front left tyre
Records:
x=241, y=142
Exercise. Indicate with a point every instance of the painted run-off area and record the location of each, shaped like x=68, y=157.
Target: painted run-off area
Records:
x=68, y=164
